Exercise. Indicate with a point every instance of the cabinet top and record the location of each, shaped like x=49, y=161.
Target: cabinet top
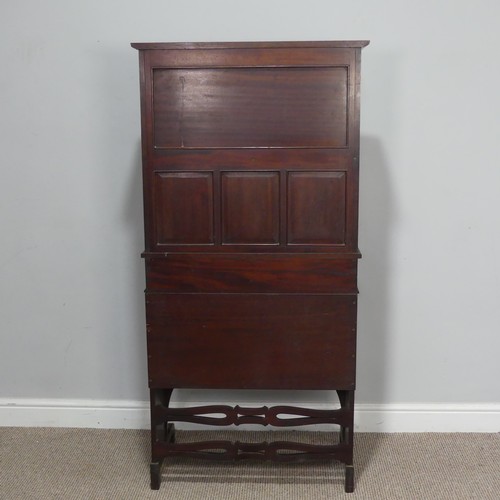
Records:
x=250, y=45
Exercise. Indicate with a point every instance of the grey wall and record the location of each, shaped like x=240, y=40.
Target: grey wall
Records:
x=71, y=279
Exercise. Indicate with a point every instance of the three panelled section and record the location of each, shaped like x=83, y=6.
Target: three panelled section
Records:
x=250, y=164
x=249, y=207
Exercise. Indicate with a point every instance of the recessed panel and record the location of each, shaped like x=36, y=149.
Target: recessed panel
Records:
x=183, y=208
x=316, y=208
x=250, y=208
x=250, y=107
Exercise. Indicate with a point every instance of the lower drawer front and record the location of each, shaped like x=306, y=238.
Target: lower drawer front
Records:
x=253, y=341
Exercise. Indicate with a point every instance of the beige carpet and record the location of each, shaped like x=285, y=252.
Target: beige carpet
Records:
x=114, y=464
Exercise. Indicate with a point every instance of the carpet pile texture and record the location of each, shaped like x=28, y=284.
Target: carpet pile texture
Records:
x=87, y=464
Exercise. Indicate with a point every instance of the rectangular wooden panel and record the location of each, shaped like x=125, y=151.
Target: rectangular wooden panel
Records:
x=250, y=208
x=276, y=107
x=251, y=341
x=257, y=273
x=316, y=208
x=183, y=208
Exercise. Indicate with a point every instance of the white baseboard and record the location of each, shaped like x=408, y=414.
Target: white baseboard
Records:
x=89, y=413
x=435, y=417
x=122, y=414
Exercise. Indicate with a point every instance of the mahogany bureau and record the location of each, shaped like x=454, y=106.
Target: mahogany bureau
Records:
x=250, y=171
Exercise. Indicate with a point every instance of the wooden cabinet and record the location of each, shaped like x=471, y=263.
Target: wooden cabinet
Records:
x=250, y=170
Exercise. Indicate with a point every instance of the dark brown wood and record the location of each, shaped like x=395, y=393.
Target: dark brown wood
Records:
x=249, y=45
x=294, y=107
x=180, y=197
x=349, y=478
x=252, y=197
x=316, y=208
x=251, y=273
x=250, y=174
x=251, y=341
x=264, y=416
x=155, y=471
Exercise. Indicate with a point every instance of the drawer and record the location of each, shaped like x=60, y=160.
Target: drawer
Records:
x=254, y=341
x=251, y=273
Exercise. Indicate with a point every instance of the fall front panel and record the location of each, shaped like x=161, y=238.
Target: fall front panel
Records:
x=253, y=341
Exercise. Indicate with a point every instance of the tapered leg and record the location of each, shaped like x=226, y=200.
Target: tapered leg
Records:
x=349, y=478
x=169, y=430
x=161, y=431
x=342, y=437
x=347, y=436
x=155, y=470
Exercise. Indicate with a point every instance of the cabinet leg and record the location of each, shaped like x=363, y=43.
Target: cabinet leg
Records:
x=349, y=478
x=155, y=470
x=169, y=432
x=342, y=436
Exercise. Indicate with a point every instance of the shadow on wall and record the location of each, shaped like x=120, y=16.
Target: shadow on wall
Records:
x=375, y=221
x=118, y=187
x=134, y=216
